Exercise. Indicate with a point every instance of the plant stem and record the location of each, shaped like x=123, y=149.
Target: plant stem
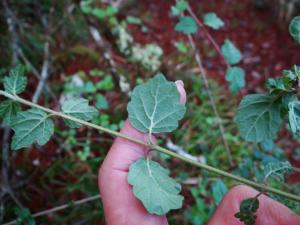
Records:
x=156, y=147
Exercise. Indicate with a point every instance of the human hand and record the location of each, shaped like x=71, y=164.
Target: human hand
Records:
x=121, y=207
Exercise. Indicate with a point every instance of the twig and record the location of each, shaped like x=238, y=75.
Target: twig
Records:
x=59, y=208
x=44, y=73
x=155, y=147
x=106, y=48
x=211, y=98
x=208, y=35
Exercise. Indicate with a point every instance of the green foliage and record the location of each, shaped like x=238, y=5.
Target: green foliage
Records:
x=186, y=25
x=236, y=78
x=258, y=117
x=182, y=47
x=80, y=109
x=213, y=21
x=231, y=53
x=155, y=106
x=33, y=125
x=277, y=170
x=248, y=208
x=294, y=28
x=133, y=20
x=180, y=7
x=8, y=110
x=294, y=116
x=16, y=82
x=219, y=189
x=101, y=102
x=153, y=187
x=24, y=217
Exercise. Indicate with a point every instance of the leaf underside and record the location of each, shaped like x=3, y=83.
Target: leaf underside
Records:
x=277, y=170
x=8, y=110
x=155, y=106
x=294, y=116
x=213, y=21
x=16, y=82
x=258, y=117
x=152, y=185
x=80, y=109
x=31, y=126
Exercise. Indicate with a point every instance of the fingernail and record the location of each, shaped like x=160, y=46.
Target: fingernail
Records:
x=180, y=82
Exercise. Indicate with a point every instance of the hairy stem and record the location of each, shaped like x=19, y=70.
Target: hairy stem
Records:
x=259, y=186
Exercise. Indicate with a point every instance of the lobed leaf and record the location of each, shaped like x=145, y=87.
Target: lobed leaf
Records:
x=213, y=21
x=16, y=82
x=231, y=53
x=31, y=126
x=152, y=185
x=8, y=110
x=180, y=6
x=155, y=106
x=186, y=25
x=248, y=208
x=294, y=116
x=236, y=78
x=80, y=109
x=258, y=117
x=277, y=170
x=294, y=28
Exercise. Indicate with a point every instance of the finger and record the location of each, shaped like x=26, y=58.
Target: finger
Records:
x=269, y=212
x=120, y=205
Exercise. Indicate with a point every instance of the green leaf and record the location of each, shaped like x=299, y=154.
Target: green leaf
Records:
x=213, y=21
x=231, y=53
x=248, y=208
x=16, y=82
x=294, y=28
x=181, y=47
x=8, y=110
x=133, y=20
x=101, y=102
x=258, y=117
x=152, y=185
x=219, y=189
x=80, y=109
x=155, y=106
x=180, y=6
x=277, y=170
x=33, y=125
x=186, y=25
x=294, y=116
x=236, y=78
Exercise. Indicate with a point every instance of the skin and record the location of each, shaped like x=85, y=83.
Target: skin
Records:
x=122, y=208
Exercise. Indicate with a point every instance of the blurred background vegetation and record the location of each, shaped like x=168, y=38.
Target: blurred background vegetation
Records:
x=101, y=50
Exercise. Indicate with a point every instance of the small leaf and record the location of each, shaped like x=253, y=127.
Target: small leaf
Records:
x=186, y=25
x=213, y=21
x=31, y=126
x=101, y=102
x=294, y=116
x=80, y=109
x=248, y=208
x=236, y=78
x=277, y=170
x=155, y=106
x=133, y=20
x=152, y=185
x=258, y=117
x=231, y=53
x=16, y=82
x=294, y=28
x=8, y=110
x=180, y=6
x=219, y=189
